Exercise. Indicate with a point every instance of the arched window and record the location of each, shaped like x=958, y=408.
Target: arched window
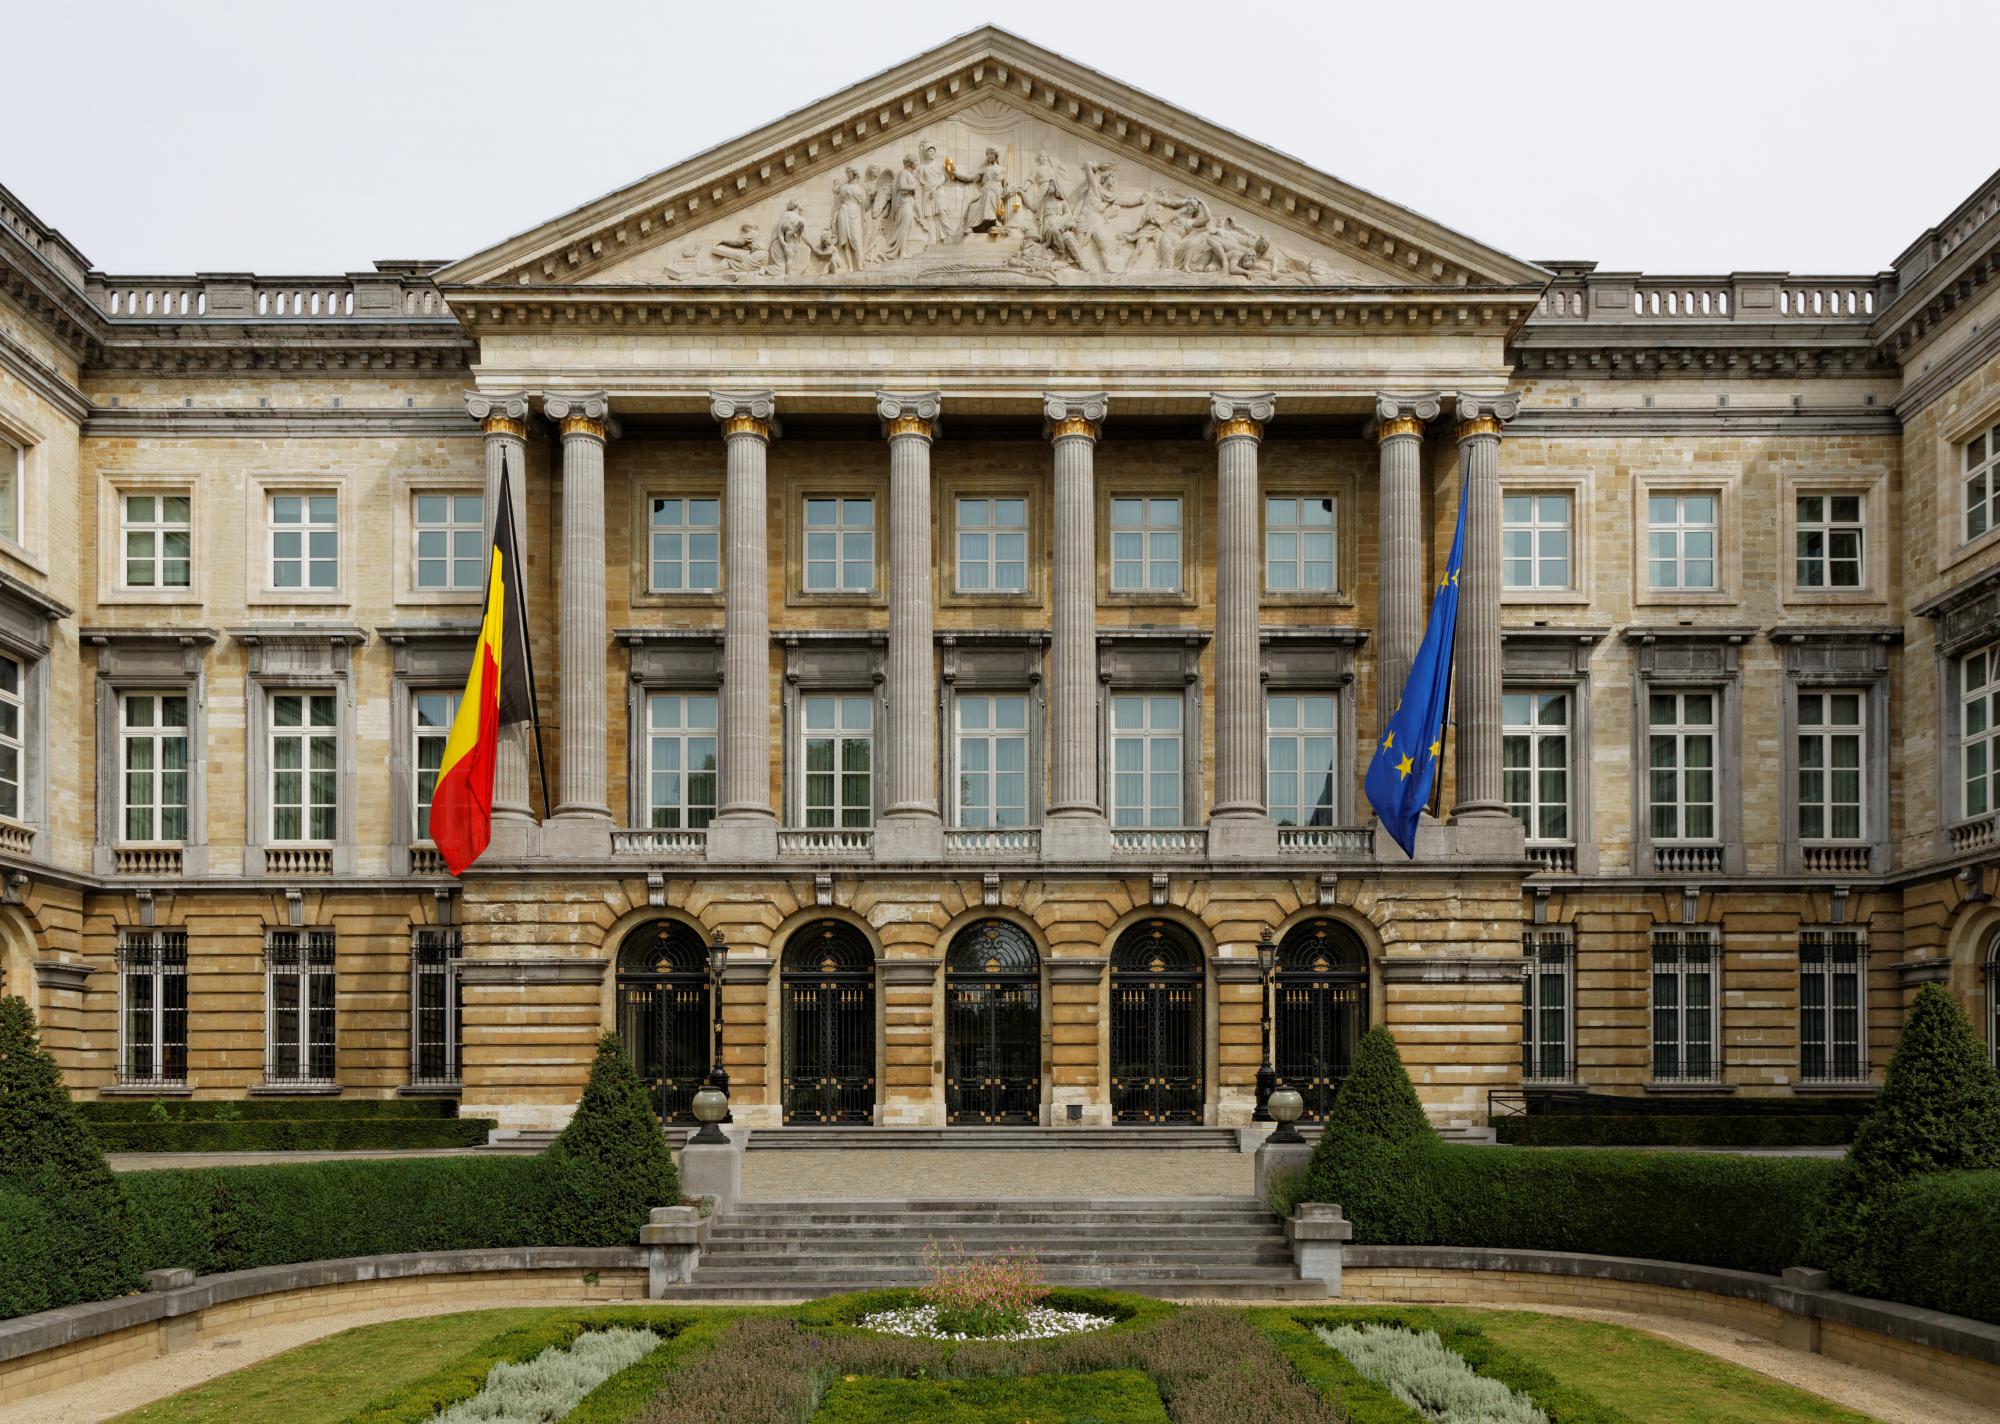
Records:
x=993, y=1026
x=1158, y=1026
x=664, y=1012
x=828, y=979
x=1993, y=997
x=1322, y=1009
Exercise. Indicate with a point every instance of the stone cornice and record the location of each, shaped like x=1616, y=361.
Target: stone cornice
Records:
x=266, y=423
x=1721, y=420
x=98, y=635
x=1722, y=350
x=50, y=295
x=41, y=378
x=210, y=348
x=1943, y=270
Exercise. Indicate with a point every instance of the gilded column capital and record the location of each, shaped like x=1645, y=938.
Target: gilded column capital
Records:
x=1064, y=416
x=1231, y=417
x=909, y=413
x=746, y=413
x=586, y=415
x=499, y=415
x=1479, y=415
x=1399, y=415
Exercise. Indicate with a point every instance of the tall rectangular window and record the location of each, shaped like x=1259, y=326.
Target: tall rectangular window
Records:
x=1680, y=761
x=992, y=546
x=13, y=677
x=1830, y=781
x=305, y=776
x=1829, y=534
x=681, y=745
x=1534, y=761
x=1146, y=545
x=298, y=1006
x=840, y=545
x=437, y=1006
x=1548, y=1053
x=1298, y=545
x=13, y=479
x=992, y=760
x=153, y=734
x=1299, y=749
x=152, y=1007
x=1146, y=760
x=1535, y=541
x=305, y=541
x=1978, y=730
x=1981, y=482
x=451, y=541
x=158, y=536
x=686, y=549
x=1680, y=542
x=839, y=759
x=1832, y=1028
x=431, y=716
x=1685, y=1032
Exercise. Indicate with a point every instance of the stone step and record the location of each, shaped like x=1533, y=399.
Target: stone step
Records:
x=992, y=1139
x=1275, y=1256
x=738, y=1219
x=1227, y=1205
x=984, y=1239
x=876, y=1273
x=1244, y=1287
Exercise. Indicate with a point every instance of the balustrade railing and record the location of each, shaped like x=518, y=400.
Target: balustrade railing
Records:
x=298, y=860
x=1159, y=840
x=426, y=859
x=1971, y=835
x=1554, y=859
x=1581, y=294
x=17, y=839
x=1835, y=859
x=399, y=290
x=1326, y=840
x=821, y=842
x=1682, y=859
x=147, y=860
x=1025, y=841
x=646, y=840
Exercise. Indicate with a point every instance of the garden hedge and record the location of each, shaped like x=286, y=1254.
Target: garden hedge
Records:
x=1932, y=1243
x=283, y=1135
x=1679, y=1130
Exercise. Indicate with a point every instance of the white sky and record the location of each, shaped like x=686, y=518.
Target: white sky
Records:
x=307, y=137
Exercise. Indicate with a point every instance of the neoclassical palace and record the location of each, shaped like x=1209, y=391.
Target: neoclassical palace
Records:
x=975, y=529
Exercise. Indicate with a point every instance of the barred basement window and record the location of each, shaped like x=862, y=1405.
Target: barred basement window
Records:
x=437, y=1006
x=1686, y=963
x=298, y=1007
x=1833, y=966
x=1547, y=1043
x=152, y=1007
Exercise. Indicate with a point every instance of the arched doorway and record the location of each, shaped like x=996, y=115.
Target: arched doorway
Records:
x=664, y=1012
x=1157, y=1026
x=1322, y=1009
x=993, y=1026
x=828, y=980
x=1992, y=977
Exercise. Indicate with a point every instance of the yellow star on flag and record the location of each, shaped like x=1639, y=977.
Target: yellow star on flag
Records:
x=1389, y=741
x=1405, y=767
x=1437, y=746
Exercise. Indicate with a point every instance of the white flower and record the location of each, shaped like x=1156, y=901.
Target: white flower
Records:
x=1041, y=1323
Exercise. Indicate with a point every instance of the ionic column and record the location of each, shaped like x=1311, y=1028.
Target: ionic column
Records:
x=1477, y=694
x=503, y=420
x=910, y=828
x=1239, y=824
x=585, y=422
x=1074, y=424
x=1399, y=431
x=745, y=827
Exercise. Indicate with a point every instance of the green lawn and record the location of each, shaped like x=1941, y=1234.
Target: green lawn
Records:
x=1107, y=1397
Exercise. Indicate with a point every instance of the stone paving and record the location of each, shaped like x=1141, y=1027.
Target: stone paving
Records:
x=1056, y=1173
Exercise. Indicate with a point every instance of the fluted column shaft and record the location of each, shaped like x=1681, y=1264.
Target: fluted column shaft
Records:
x=910, y=767
x=580, y=780
x=1477, y=706
x=504, y=423
x=1400, y=526
x=1239, y=761
x=1074, y=424
x=747, y=429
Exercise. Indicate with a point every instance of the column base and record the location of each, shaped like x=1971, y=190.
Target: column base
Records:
x=1242, y=835
x=577, y=835
x=1487, y=833
x=1434, y=841
x=515, y=837
x=743, y=835
x=909, y=835
x=1076, y=835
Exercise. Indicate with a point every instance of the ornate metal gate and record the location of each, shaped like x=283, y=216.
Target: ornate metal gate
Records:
x=663, y=1013
x=828, y=980
x=1322, y=1010
x=993, y=1026
x=1157, y=1026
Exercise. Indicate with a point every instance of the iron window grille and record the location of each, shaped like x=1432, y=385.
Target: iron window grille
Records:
x=1686, y=1020
x=1548, y=1039
x=298, y=1007
x=437, y=1006
x=152, y=1008
x=1833, y=1021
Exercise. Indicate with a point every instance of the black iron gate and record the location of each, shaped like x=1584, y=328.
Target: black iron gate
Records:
x=664, y=1013
x=828, y=982
x=1157, y=1026
x=1322, y=1010
x=993, y=1026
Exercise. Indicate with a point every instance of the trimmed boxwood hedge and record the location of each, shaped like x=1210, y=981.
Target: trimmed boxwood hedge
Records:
x=310, y=1135
x=1685, y=1130
x=1932, y=1244
x=273, y=1109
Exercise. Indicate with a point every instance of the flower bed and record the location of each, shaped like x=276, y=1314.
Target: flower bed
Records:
x=920, y=1322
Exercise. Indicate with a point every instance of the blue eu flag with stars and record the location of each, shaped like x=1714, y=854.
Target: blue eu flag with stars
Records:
x=1405, y=766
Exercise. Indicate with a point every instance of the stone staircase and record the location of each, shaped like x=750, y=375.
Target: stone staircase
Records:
x=1183, y=1247
x=902, y=1139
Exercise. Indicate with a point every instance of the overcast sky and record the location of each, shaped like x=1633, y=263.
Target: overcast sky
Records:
x=304, y=138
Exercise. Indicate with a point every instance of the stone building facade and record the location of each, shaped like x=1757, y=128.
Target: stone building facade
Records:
x=975, y=527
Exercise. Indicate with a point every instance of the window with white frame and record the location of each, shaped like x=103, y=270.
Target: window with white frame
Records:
x=681, y=760
x=437, y=1006
x=992, y=738
x=153, y=751
x=992, y=545
x=1547, y=1042
x=1680, y=543
x=686, y=544
x=304, y=736
x=1978, y=731
x=1535, y=541
x=1980, y=462
x=152, y=1007
x=1146, y=545
x=13, y=682
x=1298, y=545
x=1830, y=780
x=298, y=1006
x=13, y=480
x=1680, y=761
x=1833, y=965
x=1146, y=760
x=1828, y=533
x=1299, y=752
x=305, y=542
x=1534, y=762
x=157, y=533
x=431, y=714
x=839, y=745
x=450, y=531
x=1686, y=963
x=840, y=545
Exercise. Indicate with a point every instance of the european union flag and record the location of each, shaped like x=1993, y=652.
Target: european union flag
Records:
x=1405, y=766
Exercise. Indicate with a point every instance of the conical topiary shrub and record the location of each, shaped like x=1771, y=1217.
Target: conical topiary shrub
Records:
x=610, y=1167
x=1363, y=1158
x=48, y=1156
x=1377, y=1101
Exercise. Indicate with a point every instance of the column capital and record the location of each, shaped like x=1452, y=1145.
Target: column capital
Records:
x=909, y=413
x=585, y=415
x=745, y=413
x=1065, y=415
x=499, y=415
x=1398, y=415
x=1232, y=416
x=1479, y=415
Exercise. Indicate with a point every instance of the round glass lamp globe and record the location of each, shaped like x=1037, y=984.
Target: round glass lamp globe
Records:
x=1286, y=1105
x=710, y=1104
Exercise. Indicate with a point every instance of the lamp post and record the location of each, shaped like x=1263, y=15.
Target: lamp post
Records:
x=1286, y=1106
x=1267, y=1076
x=718, y=1076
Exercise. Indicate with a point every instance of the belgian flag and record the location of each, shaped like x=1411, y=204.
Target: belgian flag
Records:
x=499, y=691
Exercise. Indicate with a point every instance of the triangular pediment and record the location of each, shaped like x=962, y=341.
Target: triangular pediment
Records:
x=991, y=162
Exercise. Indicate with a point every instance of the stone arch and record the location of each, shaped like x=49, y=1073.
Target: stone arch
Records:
x=828, y=1023
x=664, y=1010
x=19, y=948
x=994, y=1030
x=1159, y=1023
x=1321, y=990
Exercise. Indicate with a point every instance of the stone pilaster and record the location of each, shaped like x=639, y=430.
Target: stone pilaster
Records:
x=1074, y=827
x=744, y=827
x=910, y=828
x=1239, y=825
x=581, y=825
x=1399, y=431
x=1476, y=701
x=503, y=420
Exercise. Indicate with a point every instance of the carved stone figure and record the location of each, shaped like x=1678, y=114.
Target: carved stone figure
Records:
x=791, y=252
x=986, y=210
x=900, y=230
x=847, y=241
x=743, y=253
x=1095, y=199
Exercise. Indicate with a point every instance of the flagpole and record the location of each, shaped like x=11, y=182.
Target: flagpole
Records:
x=527, y=642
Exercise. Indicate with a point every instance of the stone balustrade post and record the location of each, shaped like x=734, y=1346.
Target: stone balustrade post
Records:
x=581, y=825
x=1074, y=827
x=1240, y=824
x=1399, y=432
x=910, y=828
x=503, y=420
x=745, y=827
x=1476, y=698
